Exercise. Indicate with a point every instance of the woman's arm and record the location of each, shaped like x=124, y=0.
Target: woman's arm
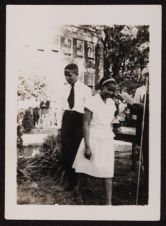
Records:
x=86, y=123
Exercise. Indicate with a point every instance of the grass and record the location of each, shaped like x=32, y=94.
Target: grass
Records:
x=45, y=190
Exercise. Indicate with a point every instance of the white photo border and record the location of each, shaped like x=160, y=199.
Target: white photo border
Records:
x=76, y=14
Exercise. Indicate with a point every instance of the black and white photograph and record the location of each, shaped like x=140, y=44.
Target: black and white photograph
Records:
x=83, y=112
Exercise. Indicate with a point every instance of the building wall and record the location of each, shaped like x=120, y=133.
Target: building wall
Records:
x=45, y=57
x=45, y=60
x=81, y=46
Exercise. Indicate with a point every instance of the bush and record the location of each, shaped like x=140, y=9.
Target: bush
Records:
x=27, y=121
x=51, y=150
x=46, y=162
x=19, y=136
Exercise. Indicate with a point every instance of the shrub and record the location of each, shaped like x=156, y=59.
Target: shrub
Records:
x=19, y=136
x=27, y=121
x=46, y=162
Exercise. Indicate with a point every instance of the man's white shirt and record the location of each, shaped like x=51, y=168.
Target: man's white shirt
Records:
x=140, y=94
x=82, y=93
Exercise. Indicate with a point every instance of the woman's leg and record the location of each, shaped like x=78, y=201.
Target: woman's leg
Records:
x=108, y=190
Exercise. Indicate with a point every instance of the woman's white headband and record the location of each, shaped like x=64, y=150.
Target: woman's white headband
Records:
x=108, y=80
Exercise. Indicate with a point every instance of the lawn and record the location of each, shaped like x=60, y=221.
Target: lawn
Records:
x=37, y=181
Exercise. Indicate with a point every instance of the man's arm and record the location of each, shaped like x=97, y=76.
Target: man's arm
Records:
x=125, y=96
x=60, y=111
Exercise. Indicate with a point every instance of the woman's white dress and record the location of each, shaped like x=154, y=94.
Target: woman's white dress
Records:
x=101, y=140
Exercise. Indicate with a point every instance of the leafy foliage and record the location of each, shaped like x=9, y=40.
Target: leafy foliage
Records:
x=44, y=161
x=19, y=136
x=28, y=88
x=27, y=121
x=126, y=50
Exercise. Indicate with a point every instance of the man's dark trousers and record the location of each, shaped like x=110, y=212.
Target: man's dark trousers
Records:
x=72, y=134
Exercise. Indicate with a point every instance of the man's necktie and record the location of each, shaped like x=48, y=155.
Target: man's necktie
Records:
x=71, y=97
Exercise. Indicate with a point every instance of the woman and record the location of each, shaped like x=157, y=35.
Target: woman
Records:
x=95, y=155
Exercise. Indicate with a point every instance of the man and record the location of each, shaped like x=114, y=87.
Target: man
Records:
x=141, y=106
x=139, y=101
x=75, y=94
x=141, y=91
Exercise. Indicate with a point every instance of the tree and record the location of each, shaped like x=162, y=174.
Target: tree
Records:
x=126, y=49
x=31, y=87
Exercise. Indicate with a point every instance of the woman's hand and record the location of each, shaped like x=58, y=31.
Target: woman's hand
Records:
x=88, y=153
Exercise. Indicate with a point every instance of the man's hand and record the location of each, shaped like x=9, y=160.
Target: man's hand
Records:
x=88, y=153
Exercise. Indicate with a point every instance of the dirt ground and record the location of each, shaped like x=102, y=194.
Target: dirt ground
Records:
x=46, y=191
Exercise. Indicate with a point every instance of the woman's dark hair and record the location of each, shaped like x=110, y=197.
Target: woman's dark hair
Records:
x=103, y=80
